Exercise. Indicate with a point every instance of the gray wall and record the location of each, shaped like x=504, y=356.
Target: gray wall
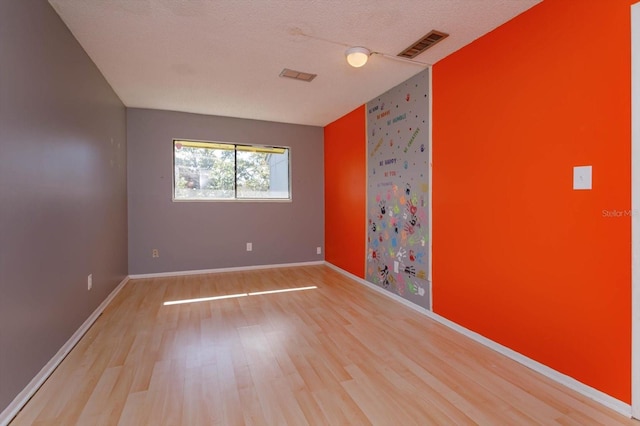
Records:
x=209, y=235
x=63, y=212
x=398, y=190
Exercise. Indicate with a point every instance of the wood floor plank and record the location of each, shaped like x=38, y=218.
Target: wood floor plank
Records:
x=335, y=355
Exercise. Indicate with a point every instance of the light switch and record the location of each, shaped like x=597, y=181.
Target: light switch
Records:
x=582, y=177
x=396, y=267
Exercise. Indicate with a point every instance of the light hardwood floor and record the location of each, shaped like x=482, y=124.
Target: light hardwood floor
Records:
x=340, y=354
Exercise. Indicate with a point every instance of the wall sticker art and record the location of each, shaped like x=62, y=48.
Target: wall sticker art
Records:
x=398, y=190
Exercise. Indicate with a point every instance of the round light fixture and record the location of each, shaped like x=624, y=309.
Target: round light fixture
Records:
x=357, y=56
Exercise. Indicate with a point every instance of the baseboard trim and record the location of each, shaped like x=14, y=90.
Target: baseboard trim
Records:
x=598, y=396
x=23, y=397
x=571, y=383
x=232, y=269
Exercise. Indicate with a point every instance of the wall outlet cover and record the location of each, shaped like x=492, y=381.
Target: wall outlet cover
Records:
x=582, y=176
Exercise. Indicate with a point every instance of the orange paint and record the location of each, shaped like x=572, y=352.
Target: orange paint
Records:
x=518, y=256
x=345, y=192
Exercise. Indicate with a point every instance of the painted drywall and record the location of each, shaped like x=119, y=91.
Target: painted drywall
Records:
x=345, y=192
x=63, y=213
x=209, y=235
x=398, y=190
x=518, y=255
x=635, y=207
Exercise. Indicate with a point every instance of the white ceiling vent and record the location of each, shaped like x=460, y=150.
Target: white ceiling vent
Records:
x=298, y=75
x=423, y=44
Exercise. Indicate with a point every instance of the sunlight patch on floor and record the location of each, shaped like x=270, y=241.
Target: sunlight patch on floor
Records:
x=232, y=296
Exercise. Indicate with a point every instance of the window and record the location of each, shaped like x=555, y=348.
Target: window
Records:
x=225, y=171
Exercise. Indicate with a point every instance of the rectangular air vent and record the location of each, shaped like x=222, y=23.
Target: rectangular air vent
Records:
x=423, y=44
x=298, y=75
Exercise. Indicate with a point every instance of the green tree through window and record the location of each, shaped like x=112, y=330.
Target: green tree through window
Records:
x=222, y=171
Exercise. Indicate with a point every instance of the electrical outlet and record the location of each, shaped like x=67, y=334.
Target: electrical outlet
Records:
x=155, y=253
x=249, y=246
x=318, y=250
x=89, y=282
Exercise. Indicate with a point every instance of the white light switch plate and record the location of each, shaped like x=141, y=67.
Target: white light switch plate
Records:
x=582, y=177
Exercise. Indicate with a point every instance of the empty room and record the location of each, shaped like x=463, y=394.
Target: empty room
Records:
x=282, y=212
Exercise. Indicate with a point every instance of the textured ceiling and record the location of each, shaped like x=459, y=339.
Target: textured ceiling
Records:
x=224, y=57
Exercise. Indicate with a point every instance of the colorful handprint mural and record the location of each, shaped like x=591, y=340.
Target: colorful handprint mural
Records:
x=398, y=190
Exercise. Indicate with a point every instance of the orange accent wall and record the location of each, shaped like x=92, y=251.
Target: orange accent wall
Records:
x=345, y=192
x=518, y=256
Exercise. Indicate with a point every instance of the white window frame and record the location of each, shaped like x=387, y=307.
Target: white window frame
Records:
x=256, y=147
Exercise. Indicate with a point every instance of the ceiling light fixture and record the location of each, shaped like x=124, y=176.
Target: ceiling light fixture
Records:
x=357, y=56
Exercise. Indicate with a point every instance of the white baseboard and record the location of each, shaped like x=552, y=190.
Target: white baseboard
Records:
x=23, y=397
x=233, y=269
x=588, y=391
